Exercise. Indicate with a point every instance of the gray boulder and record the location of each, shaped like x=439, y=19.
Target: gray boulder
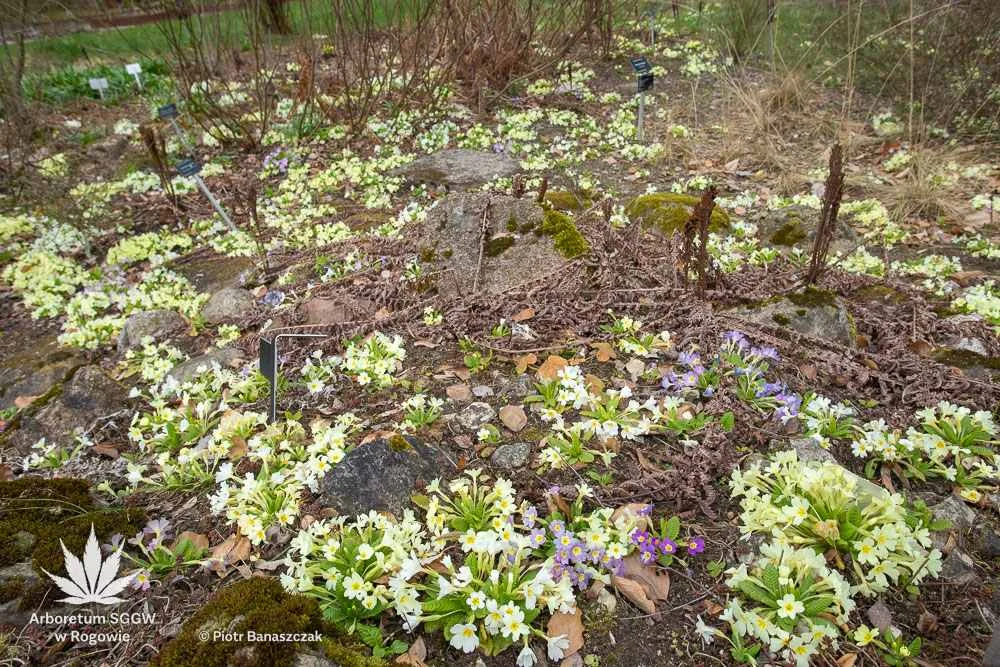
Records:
x=39, y=382
x=812, y=312
x=88, y=396
x=157, y=324
x=522, y=241
x=458, y=168
x=213, y=273
x=227, y=305
x=227, y=357
x=381, y=476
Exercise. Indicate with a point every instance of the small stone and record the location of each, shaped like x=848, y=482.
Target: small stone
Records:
x=310, y=659
x=808, y=450
x=458, y=392
x=475, y=415
x=635, y=367
x=990, y=545
x=958, y=569
x=513, y=417
x=482, y=391
x=230, y=304
x=511, y=456
x=953, y=510
x=156, y=324
x=880, y=616
x=973, y=345
x=992, y=656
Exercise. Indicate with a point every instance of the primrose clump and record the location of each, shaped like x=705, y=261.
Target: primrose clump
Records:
x=669, y=212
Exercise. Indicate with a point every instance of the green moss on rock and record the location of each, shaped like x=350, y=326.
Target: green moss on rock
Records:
x=562, y=200
x=568, y=240
x=966, y=359
x=789, y=233
x=41, y=513
x=880, y=293
x=669, y=212
x=813, y=297
x=497, y=245
x=259, y=604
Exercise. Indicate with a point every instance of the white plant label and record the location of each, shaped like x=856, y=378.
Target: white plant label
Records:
x=135, y=69
x=100, y=85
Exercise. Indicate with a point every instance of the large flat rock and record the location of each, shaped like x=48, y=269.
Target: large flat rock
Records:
x=458, y=168
x=381, y=475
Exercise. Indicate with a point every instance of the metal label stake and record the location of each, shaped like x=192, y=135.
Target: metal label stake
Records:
x=169, y=113
x=644, y=82
x=269, y=367
x=190, y=168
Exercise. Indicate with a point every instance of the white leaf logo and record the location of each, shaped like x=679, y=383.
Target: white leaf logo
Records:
x=91, y=580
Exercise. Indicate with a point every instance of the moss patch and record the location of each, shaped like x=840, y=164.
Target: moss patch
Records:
x=497, y=245
x=966, y=359
x=813, y=297
x=880, y=293
x=261, y=605
x=562, y=200
x=39, y=513
x=568, y=240
x=781, y=319
x=669, y=211
x=789, y=233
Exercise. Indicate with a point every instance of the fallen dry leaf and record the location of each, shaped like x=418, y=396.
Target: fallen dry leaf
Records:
x=927, y=623
x=415, y=656
x=605, y=352
x=634, y=592
x=236, y=548
x=197, y=539
x=574, y=660
x=522, y=362
x=847, y=660
x=808, y=371
x=921, y=347
x=594, y=384
x=238, y=448
x=570, y=625
x=105, y=449
x=523, y=315
x=21, y=402
x=6, y=474
x=656, y=584
x=549, y=370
